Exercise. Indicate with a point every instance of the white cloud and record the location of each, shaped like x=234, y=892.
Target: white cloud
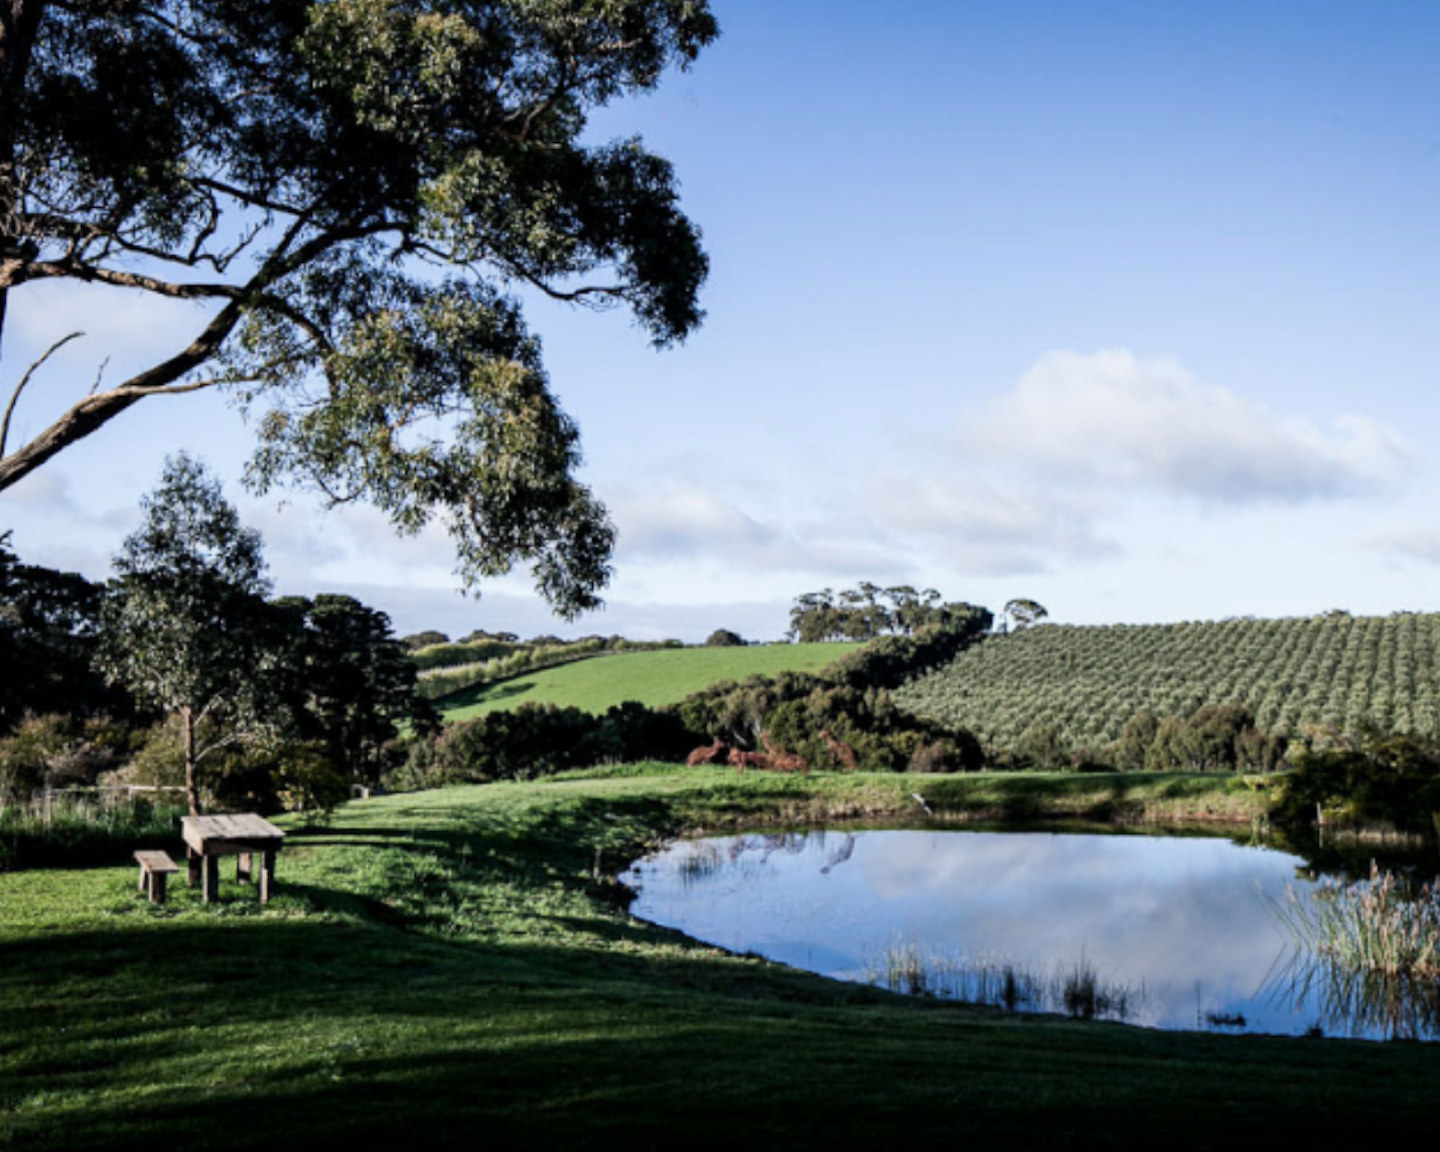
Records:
x=1406, y=541
x=414, y=609
x=987, y=530
x=685, y=524
x=45, y=492
x=682, y=521
x=54, y=527
x=1119, y=422
x=119, y=330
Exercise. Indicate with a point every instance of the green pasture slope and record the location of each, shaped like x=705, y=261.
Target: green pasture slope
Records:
x=1087, y=681
x=451, y=970
x=653, y=678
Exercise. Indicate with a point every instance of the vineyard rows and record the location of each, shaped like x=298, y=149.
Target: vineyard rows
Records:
x=1086, y=682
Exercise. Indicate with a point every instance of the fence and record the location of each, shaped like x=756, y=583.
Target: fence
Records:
x=44, y=802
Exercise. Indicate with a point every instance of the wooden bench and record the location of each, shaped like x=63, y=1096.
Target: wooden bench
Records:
x=154, y=868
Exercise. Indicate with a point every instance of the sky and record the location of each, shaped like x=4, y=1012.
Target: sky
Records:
x=1128, y=308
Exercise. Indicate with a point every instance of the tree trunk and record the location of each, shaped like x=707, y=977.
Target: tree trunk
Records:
x=19, y=26
x=192, y=788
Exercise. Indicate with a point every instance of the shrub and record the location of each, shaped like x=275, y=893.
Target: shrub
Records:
x=306, y=780
x=1393, y=778
x=54, y=751
x=1042, y=746
x=1135, y=740
x=934, y=756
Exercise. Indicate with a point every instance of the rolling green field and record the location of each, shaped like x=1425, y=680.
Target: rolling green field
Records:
x=454, y=969
x=652, y=678
x=1087, y=681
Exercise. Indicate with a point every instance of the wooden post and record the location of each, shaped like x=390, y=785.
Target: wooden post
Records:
x=212, y=878
x=267, y=875
x=142, y=887
x=242, y=867
x=157, y=887
x=192, y=861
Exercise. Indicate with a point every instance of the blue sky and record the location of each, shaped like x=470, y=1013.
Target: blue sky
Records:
x=1128, y=308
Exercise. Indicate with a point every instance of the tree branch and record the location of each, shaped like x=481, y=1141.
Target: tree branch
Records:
x=95, y=410
x=24, y=380
x=73, y=269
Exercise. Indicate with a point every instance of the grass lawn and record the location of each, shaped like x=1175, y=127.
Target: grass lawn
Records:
x=453, y=969
x=652, y=678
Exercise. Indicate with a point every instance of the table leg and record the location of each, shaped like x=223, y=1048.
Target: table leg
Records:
x=192, y=861
x=142, y=878
x=211, y=889
x=267, y=876
x=157, y=888
x=242, y=867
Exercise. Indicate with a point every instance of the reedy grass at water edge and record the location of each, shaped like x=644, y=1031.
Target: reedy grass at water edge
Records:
x=1371, y=926
x=1075, y=989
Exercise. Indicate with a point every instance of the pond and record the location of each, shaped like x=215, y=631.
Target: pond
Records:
x=1165, y=932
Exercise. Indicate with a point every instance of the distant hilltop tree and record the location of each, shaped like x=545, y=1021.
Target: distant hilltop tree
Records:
x=1023, y=613
x=424, y=640
x=867, y=611
x=724, y=638
x=480, y=636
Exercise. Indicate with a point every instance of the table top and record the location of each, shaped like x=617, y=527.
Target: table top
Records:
x=241, y=828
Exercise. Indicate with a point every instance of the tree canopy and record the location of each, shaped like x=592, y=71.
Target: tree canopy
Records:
x=348, y=189
x=867, y=611
x=48, y=622
x=1025, y=612
x=185, y=627
x=348, y=682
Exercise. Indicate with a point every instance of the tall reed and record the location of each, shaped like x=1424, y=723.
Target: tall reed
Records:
x=1375, y=925
x=1077, y=990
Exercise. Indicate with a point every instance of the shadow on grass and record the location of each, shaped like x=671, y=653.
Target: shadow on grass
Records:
x=1107, y=797
x=491, y=693
x=1020, y=797
x=284, y=1034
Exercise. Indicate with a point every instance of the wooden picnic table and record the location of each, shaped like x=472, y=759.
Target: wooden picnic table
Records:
x=242, y=835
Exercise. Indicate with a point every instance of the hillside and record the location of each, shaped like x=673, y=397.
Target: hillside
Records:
x=652, y=678
x=1087, y=681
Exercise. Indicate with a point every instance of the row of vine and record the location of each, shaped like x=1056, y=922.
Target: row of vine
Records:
x=1086, y=682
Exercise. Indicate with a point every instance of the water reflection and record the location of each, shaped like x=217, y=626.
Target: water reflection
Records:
x=1181, y=926
x=1077, y=990
x=1393, y=1006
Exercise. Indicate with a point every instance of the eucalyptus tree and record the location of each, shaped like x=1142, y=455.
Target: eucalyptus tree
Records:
x=346, y=190
x=868, y=611
x=186, y=627
x=1025, y=612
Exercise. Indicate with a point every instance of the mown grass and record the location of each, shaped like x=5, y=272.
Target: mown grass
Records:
x=453, y=969
x=652, y=678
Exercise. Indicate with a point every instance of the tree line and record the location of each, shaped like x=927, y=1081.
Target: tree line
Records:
x=868, y=611
x=185, y=662
x=842, y=718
